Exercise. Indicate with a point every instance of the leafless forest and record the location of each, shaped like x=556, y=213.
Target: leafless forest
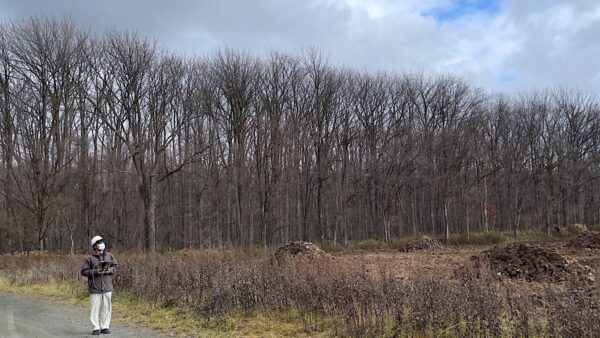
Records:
x=110, y=134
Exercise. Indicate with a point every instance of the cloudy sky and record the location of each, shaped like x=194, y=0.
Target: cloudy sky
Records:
x=502, y=45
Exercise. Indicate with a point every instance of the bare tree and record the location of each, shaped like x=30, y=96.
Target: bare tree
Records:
x=235, y=80
x=323, y=85
x=144, y=113
x=47, y=59
x=7, y=230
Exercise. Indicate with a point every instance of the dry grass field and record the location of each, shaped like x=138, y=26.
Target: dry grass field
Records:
x=508, y=289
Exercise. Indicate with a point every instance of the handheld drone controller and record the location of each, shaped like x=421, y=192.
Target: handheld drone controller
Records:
x=105, y=265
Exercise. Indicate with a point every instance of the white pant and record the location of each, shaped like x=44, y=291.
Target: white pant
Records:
x=100, y=310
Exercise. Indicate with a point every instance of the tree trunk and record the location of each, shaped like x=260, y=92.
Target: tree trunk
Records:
x=42, y=228
x=485, y=206
x=467, y=221
x=321, y=227
x=446, y=221
x=148, y=191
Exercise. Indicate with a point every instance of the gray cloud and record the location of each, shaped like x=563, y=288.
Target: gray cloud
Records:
x=527, y=44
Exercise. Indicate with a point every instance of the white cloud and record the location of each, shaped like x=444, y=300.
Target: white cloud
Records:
x=523, y=44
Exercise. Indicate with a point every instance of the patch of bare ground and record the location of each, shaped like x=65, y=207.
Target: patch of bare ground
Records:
x=405, y=265
x=586, y=240
x=553, y=262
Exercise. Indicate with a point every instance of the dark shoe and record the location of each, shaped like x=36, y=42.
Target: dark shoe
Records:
x=105, y=331
x=96, y=333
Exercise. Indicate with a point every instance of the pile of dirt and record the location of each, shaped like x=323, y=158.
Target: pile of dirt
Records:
x=529, y=262
x=421, y=243
x=588, y=239
x=299, y=250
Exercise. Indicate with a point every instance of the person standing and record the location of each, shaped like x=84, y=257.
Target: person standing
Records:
x=99, y=267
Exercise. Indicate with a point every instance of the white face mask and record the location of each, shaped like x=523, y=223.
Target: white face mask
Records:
x=101, y=247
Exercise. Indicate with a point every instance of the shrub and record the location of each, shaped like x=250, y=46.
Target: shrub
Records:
x=480, y=238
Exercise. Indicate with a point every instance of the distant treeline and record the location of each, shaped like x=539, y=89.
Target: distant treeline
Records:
x=109, y=134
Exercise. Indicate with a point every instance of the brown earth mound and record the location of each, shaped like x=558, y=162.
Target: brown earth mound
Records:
x=422, y=243
x=533, y=263
x=529, y=262
x=299, y=250
x=589, y=240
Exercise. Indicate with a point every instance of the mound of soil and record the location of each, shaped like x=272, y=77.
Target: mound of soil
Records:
x=529, y=262
x=422, y=243
x=589, y=240
x=299, y=250
x=533, y=263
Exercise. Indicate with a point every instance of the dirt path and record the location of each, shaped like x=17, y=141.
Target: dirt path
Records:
x=23, y=316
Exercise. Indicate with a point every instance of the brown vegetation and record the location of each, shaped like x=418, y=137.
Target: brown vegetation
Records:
x=483, y=238
x=368, y=294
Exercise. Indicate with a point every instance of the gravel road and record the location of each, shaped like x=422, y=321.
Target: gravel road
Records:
x=25, y=316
